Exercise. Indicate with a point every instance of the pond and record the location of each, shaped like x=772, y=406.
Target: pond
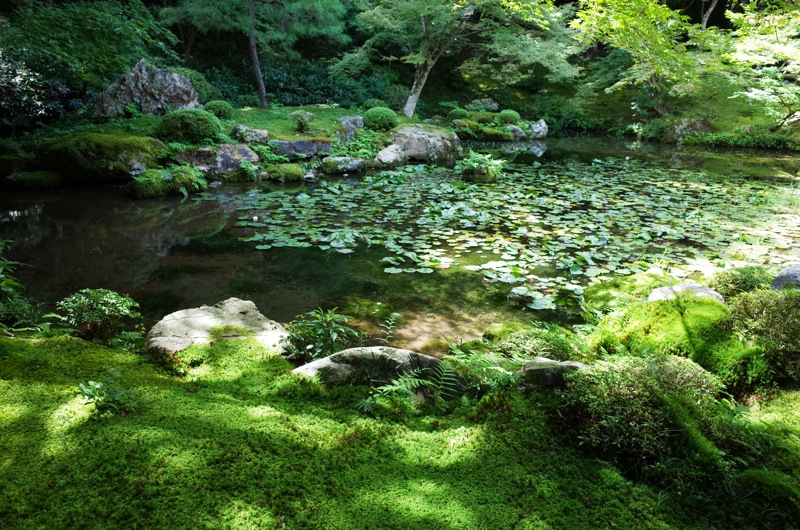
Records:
x=452, y=257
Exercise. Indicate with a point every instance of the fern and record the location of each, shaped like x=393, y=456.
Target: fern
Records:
x=388, y=327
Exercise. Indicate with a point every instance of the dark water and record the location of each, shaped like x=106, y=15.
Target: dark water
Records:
x=170, y=254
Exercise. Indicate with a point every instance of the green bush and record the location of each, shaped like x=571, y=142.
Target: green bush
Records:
x=100, y=313
x=478, y=167
x=205, y=91
x=372, y=103
x=755, y=138
x=508, y=117
x=107, y=396
x=318, y=333
x=458, y=114
x=220, y=108
x=540, y=340
x=483, y=118
x=303, y=119
x=732, y=282
x=380, y=119
x=189, y=125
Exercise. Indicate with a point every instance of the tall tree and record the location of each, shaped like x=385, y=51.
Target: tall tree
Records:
x=421, y=32
x=271, y=26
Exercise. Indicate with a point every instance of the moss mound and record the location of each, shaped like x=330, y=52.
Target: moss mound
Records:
x=286, y=172
x=172, y=181
x=220, y=108
x=732, y=282
x=92, y=157
x=189, y=125
x=33, y=180
x=380, y=119
x=608, y=296
x=490, y=134
x=458, y=114
x=508, y=117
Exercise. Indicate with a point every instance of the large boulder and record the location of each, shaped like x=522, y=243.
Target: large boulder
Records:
x=543, y=373
x=422, y=143
x=539, y=130
x=152, y=90
x=332, y=165
x=177, y=331
x=91, y=157
x=350, y=127
x=365, y=365
x=299, y=149
x=516, y=132
x=222, y=162
x=670, y=292
x=251, y=136
x=788, y=276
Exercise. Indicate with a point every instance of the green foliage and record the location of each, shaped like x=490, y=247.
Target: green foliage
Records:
x=540, y=340
x=372, y=103
x=413, y=389
x=9, y=286
x=458, y=114
x=26, y=96
x=380, y=119
x=732, y=282
x=220, y=108
x=189, y=125
x=771, y=319
x=490, y=134
x=478, y=167
x=33, y=180
x=206, y=92
x=100, y=313
x=107, y=396
x=508, y=117
x=285, y=172
x=303, y=119
x=174, y=180
x=365, y=145
x=751, y=137
x=267, y=156
x=318, y=333
x=482, y=105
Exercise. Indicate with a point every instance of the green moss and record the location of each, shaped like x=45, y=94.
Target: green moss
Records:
x=286, y=172
x=732, y=282
x=481, y=173
x=458, y=114
x=90, y=157
x=380, y=119
x=508, y=117
x=33, y=180
x=490, y=134
x=220, y=108
x=187, y=178
x=482, y=117
x=152, y=183
x=609, y=296
x=190, y=125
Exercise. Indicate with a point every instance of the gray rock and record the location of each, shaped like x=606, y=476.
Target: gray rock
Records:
x=219, y=160
x=351, y=126
x=788, y=276
x=671, y=292
x=251, y=136
x=299, y=149
x=539, y=129
x=364, y=365
x=343, y=164
x=422, y=143
x=153, y=90
x=544, y=373
x=516, y=132
x=686, y=127
x=179, y=330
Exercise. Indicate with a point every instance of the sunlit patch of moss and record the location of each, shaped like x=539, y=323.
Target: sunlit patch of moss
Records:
x=608, y=296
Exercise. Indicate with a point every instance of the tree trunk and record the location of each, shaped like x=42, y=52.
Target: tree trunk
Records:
x=707, y=14
x=420, y=76
x=262, y=90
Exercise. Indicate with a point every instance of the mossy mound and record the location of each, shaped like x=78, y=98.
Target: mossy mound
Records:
x=90, y=157
x=508, y=117
x=732, y=282
x=380, y=119
x=285, y=172
x=607, y=296
x=490, y=134
x=189, y=125
x=162, y=182
x=33, y=180
x=458, y=114
x=481, y=174
x=220, y=108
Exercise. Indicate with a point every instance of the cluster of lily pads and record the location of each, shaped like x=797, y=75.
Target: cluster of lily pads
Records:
x=546, y=231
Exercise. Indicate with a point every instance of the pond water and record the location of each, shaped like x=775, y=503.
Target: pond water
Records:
x=452, y=257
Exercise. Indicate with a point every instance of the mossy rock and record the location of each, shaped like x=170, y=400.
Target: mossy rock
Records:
x=91, y=157
x=11, y=163
x=607, y=296
x=482, y=117
x=205, y=90
x=33, y=180
x=285, y=172
x=193, y=126
x=152, y=183
x=482, y=174
x=188, y=179
x=490, y=134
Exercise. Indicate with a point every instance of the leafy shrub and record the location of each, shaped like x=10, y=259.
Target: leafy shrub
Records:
x=732, y=282
x=541, y=340
x=484, y=118
x=755, y=137
x=26, y=97
x=396, y=96
x=372, y=103
x=380, y=119
x=771, y=319
x=508, y=117
x=365, y=145
x=415, y=388
x=478, y=167
x=206, y=92
x=99, y=313
x=171, y=181
x=107, y=396
x=482, y=105
x=302, y=118
x=9, y=286
x=318, y=333
x=18, y=312
x=458, y=114
x=641, y=410
x=220, y=108
x=189, y=125
x=267, y=156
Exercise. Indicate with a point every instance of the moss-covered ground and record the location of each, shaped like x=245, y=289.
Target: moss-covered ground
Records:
x=242, y=443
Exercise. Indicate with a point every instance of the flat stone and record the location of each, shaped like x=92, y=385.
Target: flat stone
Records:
x=364, y=365
x=671, y=292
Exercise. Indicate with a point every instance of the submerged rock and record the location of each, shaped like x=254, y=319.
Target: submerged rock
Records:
x=152, y=90
x=788, y=276
x=670, y=292
x=177, y=331
x=33, y=180
x=365, y=365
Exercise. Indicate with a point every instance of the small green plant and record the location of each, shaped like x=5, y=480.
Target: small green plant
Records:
x=132, y=110
x=458, y=114
x=482, y=105
x=508, y=117
x=189, y=125
x=477, y=167
x=380, y=119
x=267, y=156
x=388, y=327
x=220, y=108
x=303, y=119
x=732, y=282
x=365, y=145
x=249, y=169
x=413, y=389
x=318, y=333
x=106, y=394
x=9, y=286
x=100, y=313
